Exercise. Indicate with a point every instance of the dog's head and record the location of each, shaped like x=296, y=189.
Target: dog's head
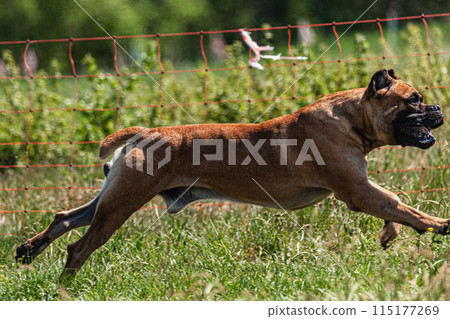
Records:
x=398, y=114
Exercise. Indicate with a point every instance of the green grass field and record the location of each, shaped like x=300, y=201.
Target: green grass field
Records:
x=320, y=253
x=223, y=252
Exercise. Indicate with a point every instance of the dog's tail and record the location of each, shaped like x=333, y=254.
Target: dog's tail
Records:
x=113, y=141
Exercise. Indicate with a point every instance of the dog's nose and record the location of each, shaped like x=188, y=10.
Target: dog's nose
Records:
x=435, y=108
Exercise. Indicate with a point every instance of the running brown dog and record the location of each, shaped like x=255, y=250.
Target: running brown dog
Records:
x=338, y=130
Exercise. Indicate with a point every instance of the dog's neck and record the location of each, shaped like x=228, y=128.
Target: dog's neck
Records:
x=351, y=117
x=364, y=126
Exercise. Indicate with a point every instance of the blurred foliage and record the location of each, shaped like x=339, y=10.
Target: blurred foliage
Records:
x=56, y=18
x=50, y=19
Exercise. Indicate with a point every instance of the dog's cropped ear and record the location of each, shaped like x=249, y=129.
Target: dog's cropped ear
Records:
x=380, y=80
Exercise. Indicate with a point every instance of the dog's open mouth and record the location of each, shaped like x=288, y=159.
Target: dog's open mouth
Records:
x=414, y=129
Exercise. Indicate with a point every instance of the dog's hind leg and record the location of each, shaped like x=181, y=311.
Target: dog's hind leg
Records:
x=63, y=222
x=119, y=201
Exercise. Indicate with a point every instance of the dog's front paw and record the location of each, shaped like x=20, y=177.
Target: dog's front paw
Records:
x=389, y=232
x=446, y=227
x=442, y=228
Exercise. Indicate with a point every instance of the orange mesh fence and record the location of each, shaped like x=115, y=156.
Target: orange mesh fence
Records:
x=165, y=103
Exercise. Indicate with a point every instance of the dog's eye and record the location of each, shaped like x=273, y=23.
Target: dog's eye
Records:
x=414, y=100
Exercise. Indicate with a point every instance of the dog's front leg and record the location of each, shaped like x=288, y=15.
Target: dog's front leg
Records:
x=390, y=229
x=374, y=200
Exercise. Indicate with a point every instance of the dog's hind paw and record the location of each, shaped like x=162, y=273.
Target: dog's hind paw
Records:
x=23, y=253
x=29, y=250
